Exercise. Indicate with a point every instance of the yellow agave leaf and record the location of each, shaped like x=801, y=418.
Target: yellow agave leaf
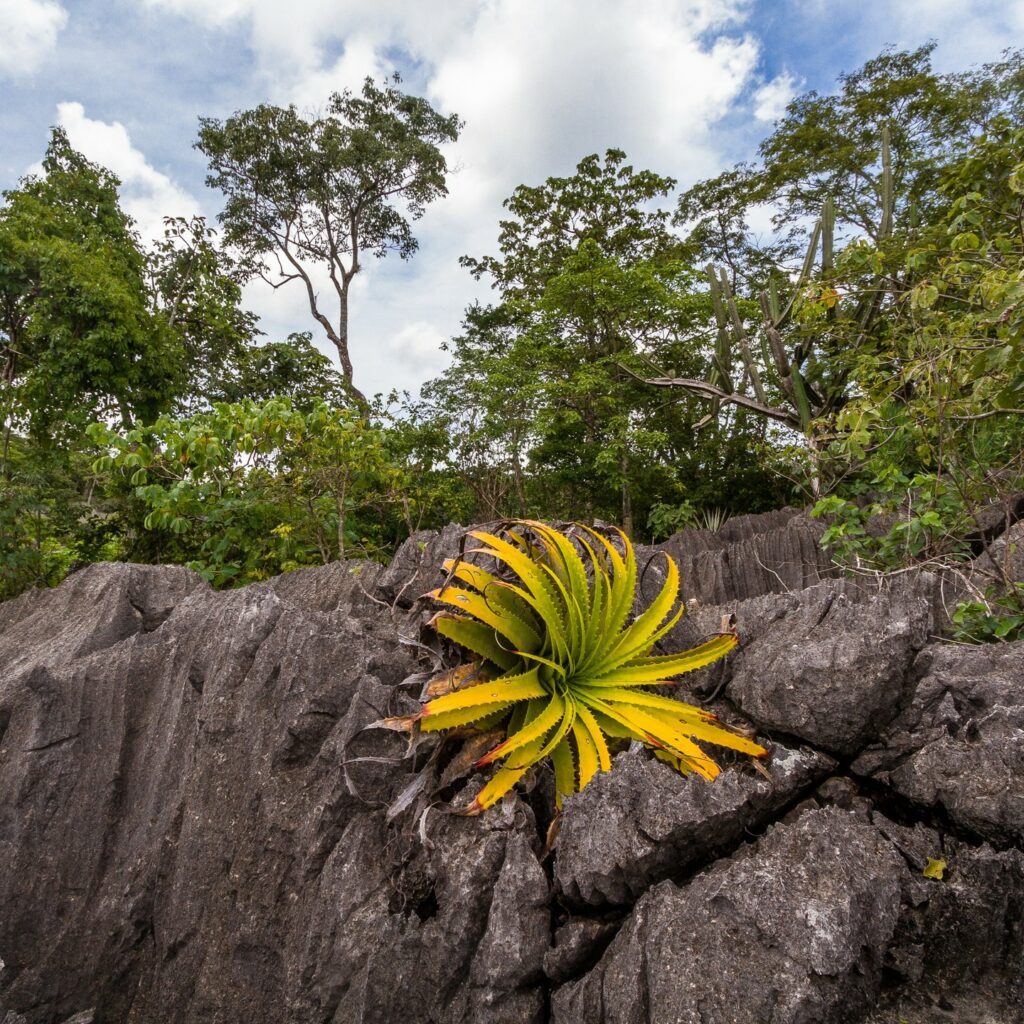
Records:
x=568, y=717
x=504, y=690
x=708, y=732
x=657, y=732
x=648, y=671
x=537, y=728
x=490, y=588
x=516, y=630
x=643, y=698
x=517, y=765
x=501, y=783
x=637, y=634
x=478, y=715
x=477, y=637
x=597, y=740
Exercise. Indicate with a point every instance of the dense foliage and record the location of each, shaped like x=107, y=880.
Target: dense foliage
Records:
x=645, y=360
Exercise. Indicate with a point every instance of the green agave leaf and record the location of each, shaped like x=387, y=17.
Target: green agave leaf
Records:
x=537, y=593
x=477, y=637
x=646, y=625
x=575, y=672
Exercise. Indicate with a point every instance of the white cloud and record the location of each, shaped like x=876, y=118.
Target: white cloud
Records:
x=771, y=99
x=28, y=33
x=417, y=347
x=539, y=85
x=147, y=195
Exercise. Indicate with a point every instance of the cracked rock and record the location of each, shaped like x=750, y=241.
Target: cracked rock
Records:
x=959, y=744
x=643, y=821
x=832, y=671
x=791, y=930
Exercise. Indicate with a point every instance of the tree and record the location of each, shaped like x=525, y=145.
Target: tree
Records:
x=313, y=195
x=868, y=165
x=545, y=420
x=829, y=148
x=196, y=289
x=246, y=490
x=294, y=369
x=78, y=335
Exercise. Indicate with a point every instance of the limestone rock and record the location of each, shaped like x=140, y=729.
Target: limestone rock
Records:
x=643, y=821
x=791, y=930
x=959, y=744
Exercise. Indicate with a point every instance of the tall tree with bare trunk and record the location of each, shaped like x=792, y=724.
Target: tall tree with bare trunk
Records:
x=309, y=196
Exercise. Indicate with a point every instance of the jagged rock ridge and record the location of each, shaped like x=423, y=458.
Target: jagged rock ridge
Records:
x=196, y=826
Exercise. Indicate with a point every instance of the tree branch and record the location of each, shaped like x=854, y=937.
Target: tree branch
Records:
x=705, y=390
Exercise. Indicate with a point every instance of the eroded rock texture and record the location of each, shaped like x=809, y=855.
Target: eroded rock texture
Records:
x=196, y=824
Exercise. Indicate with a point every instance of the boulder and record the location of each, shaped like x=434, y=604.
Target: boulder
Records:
x=958, y=746
x=94, y=609
x=193, y=824
x=791, y=930
x=200, y=819
x=759, y=554
x=831, y=669
x=643, y=821
x=416, y=567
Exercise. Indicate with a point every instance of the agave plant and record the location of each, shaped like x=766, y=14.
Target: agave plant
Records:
x=560, y=661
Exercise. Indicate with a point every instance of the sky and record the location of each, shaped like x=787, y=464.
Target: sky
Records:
x=686, y=87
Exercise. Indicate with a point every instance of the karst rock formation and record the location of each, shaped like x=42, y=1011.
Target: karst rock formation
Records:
x=196, y=824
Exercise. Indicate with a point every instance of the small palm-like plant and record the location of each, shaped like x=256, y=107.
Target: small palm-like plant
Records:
x=560, y=662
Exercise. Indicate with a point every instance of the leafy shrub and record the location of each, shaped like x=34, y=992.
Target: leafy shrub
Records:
x=999, y=617
x=558, y=660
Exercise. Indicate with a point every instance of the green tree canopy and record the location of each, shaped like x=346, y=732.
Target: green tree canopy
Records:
x=828, y=147
x=307, y=196
x=78, y=335
x=589, y=277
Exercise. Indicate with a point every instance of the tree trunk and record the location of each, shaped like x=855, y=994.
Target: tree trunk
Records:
x=341, y=344
x=627, y=499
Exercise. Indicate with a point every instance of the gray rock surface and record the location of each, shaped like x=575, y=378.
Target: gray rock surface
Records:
x=182, y=840
x=831, y=669
x=1001, y=562
x=198, y=826
x=414, y=569
x=794, y=929
x=759, y=554
x=958, y=952
x=643, y=822
x=959, y=742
